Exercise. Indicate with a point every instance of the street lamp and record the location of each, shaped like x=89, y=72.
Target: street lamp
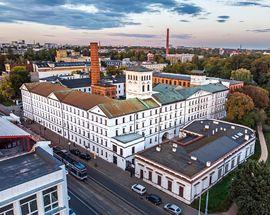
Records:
x=69, y=143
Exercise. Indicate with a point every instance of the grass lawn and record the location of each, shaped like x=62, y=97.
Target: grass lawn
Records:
x=219, y=198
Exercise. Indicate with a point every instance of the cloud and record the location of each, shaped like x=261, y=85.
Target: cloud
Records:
x=133, y=35
x=184, y=20
x=249, y=4
x=182, y=36
x=265, y=30
x=91, y=14
x=223, y=18
x=189, y=9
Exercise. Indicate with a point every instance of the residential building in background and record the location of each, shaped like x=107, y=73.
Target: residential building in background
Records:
x=201, y=154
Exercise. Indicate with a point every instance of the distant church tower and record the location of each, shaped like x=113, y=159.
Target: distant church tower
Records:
x=139, y=83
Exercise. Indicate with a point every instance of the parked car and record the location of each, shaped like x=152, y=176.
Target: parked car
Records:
x=85, y=156
x=75, y=152
x=71, y=212
x=138, y=188
x=172, y=209
x=155, y=199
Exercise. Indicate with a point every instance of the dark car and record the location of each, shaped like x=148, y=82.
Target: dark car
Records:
x=75, y=152
x=85, y=156
x=155, y=199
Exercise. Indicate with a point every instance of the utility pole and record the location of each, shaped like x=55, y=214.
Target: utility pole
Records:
x=200, y=200
x=206, y=203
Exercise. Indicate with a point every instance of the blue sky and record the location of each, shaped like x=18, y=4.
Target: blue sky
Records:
x=207, y=23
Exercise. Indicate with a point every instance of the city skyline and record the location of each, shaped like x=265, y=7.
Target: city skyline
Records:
x=192, y=23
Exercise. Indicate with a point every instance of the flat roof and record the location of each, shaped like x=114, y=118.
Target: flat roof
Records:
x=8, y=129
x=219, y=139
x=128, y=137
x=76, y=82
x=21, y=169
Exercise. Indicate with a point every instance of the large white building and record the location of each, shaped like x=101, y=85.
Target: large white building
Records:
x=203, y=153
x=33, y=183
x=117, y=129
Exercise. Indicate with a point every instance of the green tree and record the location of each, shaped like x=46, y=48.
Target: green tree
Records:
x=260, y=69
x=6, y=90
x=238, y=105
x=17, y=77
x=250, y=188
x=241, y=75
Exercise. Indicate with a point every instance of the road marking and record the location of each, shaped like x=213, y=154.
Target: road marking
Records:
x=117, y=195
x=86, y=205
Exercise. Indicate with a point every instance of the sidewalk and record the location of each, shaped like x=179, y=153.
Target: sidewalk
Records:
x=110, y=170
x=264, y=150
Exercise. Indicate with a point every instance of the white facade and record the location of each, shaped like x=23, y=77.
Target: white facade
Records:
x=139, y=84
x=154, y=66
x=46, y=194
x=186, y=188
x=95, y=131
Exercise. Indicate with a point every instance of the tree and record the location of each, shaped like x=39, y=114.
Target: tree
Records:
x=238, y=105
x=241, y=75
x=259, y=95
x=260, y=69
x=250, y=188
x=6, y=89
x=17, y=77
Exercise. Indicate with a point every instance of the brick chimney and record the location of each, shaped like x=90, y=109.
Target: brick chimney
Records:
x=94, y=69
x=167, y=41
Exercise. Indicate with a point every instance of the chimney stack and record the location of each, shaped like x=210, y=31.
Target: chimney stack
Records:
x=167, y=41
x=94, y=69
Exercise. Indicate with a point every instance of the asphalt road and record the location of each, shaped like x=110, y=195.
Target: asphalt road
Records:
x=98, y=199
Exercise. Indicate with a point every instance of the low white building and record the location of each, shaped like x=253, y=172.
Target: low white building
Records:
x=33, y=183
x=203, y=153
x=154, y=66
x=97, y=122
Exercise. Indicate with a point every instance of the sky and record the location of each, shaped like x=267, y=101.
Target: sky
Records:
x=196, y=23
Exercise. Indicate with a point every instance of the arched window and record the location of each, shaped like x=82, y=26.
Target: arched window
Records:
x=148, y=87
x=143, y=88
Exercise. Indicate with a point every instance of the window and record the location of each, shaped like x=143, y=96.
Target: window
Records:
x=169, y=185
x=150, y=175
x=50, y=198
x=29, y=205
x=133, y=149
x=219, y=172
x=121, y=152
x=159, y=180
x=114, y=148
x=181, y=191
x=7, y=210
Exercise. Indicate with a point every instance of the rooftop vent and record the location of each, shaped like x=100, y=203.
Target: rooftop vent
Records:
x=232, y=127
x=158, y=148
x=206, y=127
x=216, y=122
x=174, y=145
x=246, y=131
x=213, y=132
x=174, y=149
x=202, y=122
x=193, y=158
x=208, y=163
x=246, y=137
x=221, y=128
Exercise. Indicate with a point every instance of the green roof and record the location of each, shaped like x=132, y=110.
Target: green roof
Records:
x=126, y=138
x=169, y=94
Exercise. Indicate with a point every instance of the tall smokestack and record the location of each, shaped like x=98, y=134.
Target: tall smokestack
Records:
x=167, y=41
x=94, y=69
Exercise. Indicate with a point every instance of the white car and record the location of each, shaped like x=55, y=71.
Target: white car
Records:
x=138, y=188
x=172, y=209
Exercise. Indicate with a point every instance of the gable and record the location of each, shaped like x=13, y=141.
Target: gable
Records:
x=97, y=110
x=53, y=96
x=199, y=94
